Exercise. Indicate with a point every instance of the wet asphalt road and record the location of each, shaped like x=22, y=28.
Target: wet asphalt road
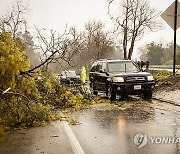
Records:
x=50, y=139
x=104, y=128
x=111, y=129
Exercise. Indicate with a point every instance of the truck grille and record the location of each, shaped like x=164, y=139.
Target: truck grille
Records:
x=136, y=79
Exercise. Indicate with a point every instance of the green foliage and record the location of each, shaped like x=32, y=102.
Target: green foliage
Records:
x=12, y=61
x=19, y=113
x=52, y=92
x=21, y=107
x=178, y=58
x=1, y=131
x=158, y=53
x=33, y=98
x=169, y=62
x=163, y=78
x=154, y=53
x=50, y=89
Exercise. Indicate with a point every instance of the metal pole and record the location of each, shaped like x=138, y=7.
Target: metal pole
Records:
x=175, y=27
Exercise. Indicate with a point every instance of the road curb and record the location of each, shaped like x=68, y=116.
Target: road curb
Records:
x=166, y=101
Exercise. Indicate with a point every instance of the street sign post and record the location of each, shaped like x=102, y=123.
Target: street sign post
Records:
x=172, y=17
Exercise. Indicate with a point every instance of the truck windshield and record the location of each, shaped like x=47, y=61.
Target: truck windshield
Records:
x=122, y=66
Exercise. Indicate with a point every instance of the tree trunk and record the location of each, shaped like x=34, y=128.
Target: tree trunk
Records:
x=130, y=52
x=125, y=43
x=131, y=48
x=125, y=50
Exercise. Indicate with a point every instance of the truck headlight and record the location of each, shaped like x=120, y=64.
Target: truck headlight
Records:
x=150, y=78
x=118, y=79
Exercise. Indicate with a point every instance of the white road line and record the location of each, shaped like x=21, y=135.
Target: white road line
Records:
x=77, y=149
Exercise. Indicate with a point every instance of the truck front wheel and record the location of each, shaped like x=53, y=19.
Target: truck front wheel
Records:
x=110, y=93
x=147, y=94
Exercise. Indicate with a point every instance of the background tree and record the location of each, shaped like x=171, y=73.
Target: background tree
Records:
x=98, y=42
x=178, y=58
x=93, y=43
x=31, y=52
x=73, y=54
x=134, y=18
x=159, y=53
x=143, y=52
x=153, y=54
x=14, y=21
x=168, y=54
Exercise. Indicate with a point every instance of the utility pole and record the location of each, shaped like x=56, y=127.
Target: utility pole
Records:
x=175, y=29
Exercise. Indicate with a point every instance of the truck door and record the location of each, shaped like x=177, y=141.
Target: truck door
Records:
x=101, y=76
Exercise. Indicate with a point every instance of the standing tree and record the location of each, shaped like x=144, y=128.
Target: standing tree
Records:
x=14, y=21
x=99, y=43
x=94, y=43
x=178, y=58
x=155, y=53
x=168, y=53
x=31, y=54
x=135, y=18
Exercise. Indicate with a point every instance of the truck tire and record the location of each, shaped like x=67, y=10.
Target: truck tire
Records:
x=95, y=92
x=147, y=95
x=110, y=93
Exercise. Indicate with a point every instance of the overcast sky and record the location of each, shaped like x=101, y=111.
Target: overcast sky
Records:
x=55, y=14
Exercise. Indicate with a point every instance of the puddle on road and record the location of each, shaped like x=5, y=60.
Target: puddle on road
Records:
x=113, y=126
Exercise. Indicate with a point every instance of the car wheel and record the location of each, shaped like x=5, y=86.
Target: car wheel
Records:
x=123, y=97
x=95, y=92
x=147, y=95
x=111, y=94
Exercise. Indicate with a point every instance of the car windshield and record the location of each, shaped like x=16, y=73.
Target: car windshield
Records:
x=68, y=74
x=122, y=66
